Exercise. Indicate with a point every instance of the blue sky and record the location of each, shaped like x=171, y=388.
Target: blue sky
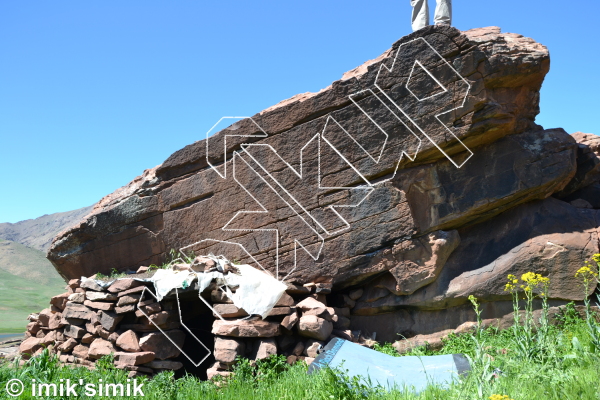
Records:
x=92, y=93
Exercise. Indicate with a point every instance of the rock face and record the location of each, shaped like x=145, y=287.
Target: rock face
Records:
x=399, y=194
x=160, y=210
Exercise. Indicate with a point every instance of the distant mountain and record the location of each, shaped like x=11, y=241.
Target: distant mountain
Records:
x=27, y=278
x=38, y=233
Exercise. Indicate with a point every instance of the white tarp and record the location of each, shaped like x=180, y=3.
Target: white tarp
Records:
x=256, y=291
x=166, y=280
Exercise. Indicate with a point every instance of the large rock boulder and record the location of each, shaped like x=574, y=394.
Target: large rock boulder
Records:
x=417, y=179
x=588, y=166
x=550, y=237
x=491, y=85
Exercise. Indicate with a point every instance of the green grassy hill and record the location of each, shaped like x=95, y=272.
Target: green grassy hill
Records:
x=27, y=281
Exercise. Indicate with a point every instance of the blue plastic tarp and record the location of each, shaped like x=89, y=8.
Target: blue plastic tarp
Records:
x=388, y=371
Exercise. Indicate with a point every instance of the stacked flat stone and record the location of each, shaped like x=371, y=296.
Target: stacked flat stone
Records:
x=88, y=322
x=297, y=326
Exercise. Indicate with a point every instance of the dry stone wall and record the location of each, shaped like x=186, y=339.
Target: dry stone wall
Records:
x=88, y=322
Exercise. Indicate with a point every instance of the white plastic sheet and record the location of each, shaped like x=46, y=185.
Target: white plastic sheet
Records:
x=256, y=291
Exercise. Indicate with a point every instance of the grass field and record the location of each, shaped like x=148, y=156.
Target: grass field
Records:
x=27, y=281
x=564, y=366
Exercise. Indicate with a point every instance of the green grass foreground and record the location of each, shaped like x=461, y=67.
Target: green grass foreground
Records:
x=565, y=366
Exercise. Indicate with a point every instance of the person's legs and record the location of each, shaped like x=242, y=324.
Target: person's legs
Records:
x=420, y=14
x=443, y=12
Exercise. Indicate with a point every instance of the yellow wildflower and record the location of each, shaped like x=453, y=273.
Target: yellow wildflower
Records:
x=586, y=272
x=512, y=281
x=528, y=277
x=473, y=300
x=533, y=279
x=499, y=397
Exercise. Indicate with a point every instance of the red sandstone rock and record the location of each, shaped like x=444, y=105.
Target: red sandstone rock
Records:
x=30, y=345
x=310, y=303
x=159, y=318
x=76, y=298
x=44, y=316
x=291, y=360
x=311, y=348
x=99, y=296
x=60, y=300
x=134, y=290
x=91, y=327
x=229, y=311
x=217, y=296
x=245, y=328
x=314, y=327
x=74, y=283
x=285, y=301
x=289, y=321
x=226, y=350
x=54, y=320
x=91, y=285
x=214, y=372
x=141, y=270
x=162, y=346
x=125, y=309
x=152, y=308
x=393, y=246
x=137, y=368
x=33, y=327
x=79, y=311
x=81, y=351
x=588, y=164
x=127, y=300
x=265, y=348
x=139, y=358
x=506, y=100
x=124, y=284
x=67, y=346
x=74, y=331
x=432, y=341
x=281, y=311
x=50, y=338
x=100, y=347
x=298, y=349
x=88, y=338
x=109, y=320
x=341, y=323
x=201, y=264
x=99, y=305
